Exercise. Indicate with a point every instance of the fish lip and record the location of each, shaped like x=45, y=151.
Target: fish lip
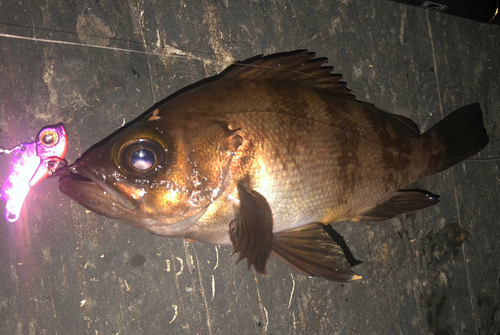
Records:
x=75, y=185
x=72, y=178
x=91, y=196
x=92, y=177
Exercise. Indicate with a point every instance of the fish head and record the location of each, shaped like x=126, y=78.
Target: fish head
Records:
x=161, y=174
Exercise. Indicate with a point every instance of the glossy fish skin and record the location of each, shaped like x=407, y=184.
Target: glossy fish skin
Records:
x=264, y=154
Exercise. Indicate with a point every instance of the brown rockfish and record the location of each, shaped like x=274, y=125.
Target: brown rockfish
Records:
x=263, y=157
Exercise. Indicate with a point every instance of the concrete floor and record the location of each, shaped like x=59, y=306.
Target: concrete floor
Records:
x=65, y=270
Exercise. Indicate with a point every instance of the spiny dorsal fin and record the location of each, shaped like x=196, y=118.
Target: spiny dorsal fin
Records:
x=305, y=69
x=298, y=67
x=311, y=251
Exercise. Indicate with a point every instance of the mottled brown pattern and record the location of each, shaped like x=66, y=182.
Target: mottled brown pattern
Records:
x=304, y=144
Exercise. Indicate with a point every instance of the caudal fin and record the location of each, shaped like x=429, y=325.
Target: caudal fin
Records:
x=462, y=134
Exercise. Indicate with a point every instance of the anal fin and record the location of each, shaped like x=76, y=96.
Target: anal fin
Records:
x=311, y=251
x=252, y=231
x=401, y=202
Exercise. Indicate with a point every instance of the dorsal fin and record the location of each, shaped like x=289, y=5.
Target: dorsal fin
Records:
x=303, y=68
x=403, y=125
x=297, y=67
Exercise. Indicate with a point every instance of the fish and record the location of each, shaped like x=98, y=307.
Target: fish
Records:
x=265, y=157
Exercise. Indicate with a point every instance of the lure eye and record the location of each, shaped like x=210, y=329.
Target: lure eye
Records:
x=49, y=138
x=143, y=159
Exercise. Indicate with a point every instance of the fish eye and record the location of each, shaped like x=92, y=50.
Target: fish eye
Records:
x=49, y=137
x=140, y=157
x=143, y=159
x=139, y=152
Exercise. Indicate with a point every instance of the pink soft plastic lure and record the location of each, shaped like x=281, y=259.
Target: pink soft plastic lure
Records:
x=32, y=163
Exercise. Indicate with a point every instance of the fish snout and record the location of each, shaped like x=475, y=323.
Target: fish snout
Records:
x=111, y=181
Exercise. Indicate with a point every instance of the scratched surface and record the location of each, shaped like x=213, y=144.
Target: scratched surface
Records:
x=64, y=270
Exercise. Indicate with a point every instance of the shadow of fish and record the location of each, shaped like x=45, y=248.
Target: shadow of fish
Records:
x=263, y=156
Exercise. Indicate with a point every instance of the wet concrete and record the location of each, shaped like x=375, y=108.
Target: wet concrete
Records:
x=65, y=270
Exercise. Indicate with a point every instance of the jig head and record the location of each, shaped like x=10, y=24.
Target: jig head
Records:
x=32, y=163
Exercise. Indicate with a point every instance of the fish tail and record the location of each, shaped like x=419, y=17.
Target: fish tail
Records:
x=461, y=133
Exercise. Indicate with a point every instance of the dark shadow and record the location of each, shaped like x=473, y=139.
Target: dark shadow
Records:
x=339, y=239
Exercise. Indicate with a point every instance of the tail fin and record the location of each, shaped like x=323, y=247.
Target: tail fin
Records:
x=462, y=134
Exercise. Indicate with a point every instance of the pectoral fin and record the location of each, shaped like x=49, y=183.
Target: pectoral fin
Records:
x=252, y=231
x=401, y=202
x=311, y=251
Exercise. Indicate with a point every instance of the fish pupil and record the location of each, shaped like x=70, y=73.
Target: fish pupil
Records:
x=143, y=159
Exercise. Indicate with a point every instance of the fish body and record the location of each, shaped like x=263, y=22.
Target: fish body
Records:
x=265, y=154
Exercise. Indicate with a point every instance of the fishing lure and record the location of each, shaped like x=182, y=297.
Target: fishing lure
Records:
x=32, y=163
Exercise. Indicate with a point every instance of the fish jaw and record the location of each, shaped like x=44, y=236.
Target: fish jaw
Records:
x=90, y=186
x=93, y=197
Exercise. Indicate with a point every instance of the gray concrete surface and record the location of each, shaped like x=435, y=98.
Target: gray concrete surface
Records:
x=65, y=270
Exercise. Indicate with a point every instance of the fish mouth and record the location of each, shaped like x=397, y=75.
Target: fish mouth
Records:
x=129, y=198
x=88, y=187
x=84, y=187
x=85, y=192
